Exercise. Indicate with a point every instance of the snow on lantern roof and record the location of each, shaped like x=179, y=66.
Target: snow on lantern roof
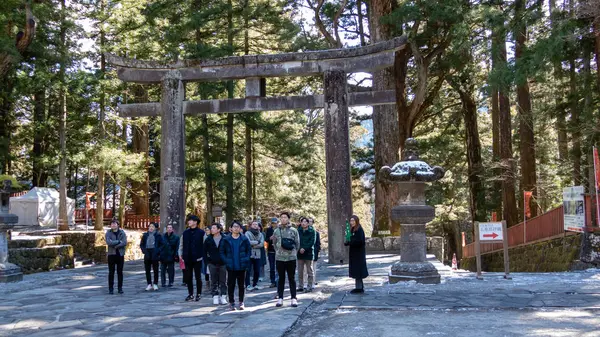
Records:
x=411, y=168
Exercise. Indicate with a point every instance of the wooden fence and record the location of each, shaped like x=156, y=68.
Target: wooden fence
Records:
x=139, y=221
x=80, y=215
x=547, y=226
x=18, y=194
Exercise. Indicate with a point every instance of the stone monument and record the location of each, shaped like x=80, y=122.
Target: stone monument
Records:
x=8, y=272
x=412, y=213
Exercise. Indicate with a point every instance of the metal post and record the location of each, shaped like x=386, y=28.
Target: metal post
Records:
x=595, y=155
x=478, y=251
x=524, y=217
x=505, y=246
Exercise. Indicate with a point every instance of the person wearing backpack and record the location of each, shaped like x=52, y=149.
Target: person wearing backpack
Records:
x=287, y=243
x=151, y=245
x=116, y=240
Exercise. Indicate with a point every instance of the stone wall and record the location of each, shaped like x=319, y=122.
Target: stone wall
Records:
x=590, y=251
x=92, y=245
x=560, y=254
x=436, y=245
x=391, y=244
x=386, y=244
x=133, y=251
x=35, y=260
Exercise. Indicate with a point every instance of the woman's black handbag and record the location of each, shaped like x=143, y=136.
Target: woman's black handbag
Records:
x=287, y=243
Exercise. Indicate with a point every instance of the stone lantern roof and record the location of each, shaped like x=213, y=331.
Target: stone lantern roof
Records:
x=411, y=168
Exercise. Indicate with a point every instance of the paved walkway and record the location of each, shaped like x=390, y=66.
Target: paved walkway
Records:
x=530, y=304
x=76, y=303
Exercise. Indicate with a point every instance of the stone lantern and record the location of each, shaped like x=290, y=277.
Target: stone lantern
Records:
x=412, y=174
x=8, y=272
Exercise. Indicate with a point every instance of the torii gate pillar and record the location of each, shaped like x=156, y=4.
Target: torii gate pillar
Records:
x=337, y=161
x=172, y=154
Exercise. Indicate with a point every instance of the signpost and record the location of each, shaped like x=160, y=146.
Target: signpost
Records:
x=574, y=210
x=491, y=232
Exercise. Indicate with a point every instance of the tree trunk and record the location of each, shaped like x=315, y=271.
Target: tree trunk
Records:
x=254, y=203
x=575, y=123
x=560, y=124
x=474, y=161
x=8, y=60
x=361, y=29
x=526, y=128
x=597, y=50
x=6, y=119
x=229, y=195
x=76, y=184
x=248, y=163
x=496, y=193
x=386, y=140
x=248, y=131
x=99, y=223
x=509, y=203
x=141, y=189
x=62, y=127
x=39, y=124
x=123, y=185
x=207, y=171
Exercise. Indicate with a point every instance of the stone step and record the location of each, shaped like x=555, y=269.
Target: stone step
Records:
x=26, y=241
x=34, y=260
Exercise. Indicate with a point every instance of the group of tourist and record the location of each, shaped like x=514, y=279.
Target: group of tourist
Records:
x=236, y=258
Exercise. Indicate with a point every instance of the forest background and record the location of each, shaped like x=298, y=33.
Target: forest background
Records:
x=503, y=94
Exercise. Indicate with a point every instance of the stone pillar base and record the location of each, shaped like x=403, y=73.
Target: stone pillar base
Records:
x=421, y=272
x=10, y=273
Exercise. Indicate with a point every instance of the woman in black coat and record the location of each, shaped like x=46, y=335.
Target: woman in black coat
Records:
x=357, y=265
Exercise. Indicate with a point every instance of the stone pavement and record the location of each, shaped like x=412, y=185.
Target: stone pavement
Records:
x=76, y=303
x=542, y=304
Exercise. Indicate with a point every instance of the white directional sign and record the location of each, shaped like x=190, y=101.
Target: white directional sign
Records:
x=490, y=231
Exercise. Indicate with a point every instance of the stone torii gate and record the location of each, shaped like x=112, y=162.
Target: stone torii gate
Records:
x=333, y=65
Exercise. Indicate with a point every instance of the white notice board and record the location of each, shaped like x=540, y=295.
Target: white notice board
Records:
x=490, y=231
x=573, y=207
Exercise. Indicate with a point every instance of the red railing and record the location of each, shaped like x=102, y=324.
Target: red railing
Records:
x=18, y=194
x=80, y=215
x=544, y=227
x=139, y=221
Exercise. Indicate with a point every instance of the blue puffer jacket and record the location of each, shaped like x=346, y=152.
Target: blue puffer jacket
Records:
x=158, y=246
x=230, y=259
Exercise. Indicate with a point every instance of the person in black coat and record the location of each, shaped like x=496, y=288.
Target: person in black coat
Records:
x=151, y=245
x=357, y=265
x=191, y=250
x=216, y=266
x=168, y=256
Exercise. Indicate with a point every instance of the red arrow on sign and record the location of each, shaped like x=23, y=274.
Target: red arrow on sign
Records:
x=493, y=235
